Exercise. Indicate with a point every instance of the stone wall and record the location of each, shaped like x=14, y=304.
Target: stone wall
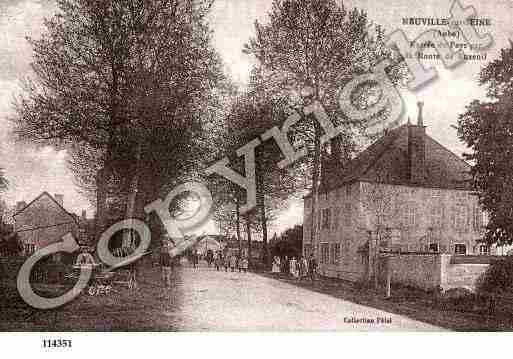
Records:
x=415, y=270
x=429, y=271
x=462, y=272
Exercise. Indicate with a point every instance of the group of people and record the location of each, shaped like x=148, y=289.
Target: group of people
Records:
x=231, y=261
x=301, y=268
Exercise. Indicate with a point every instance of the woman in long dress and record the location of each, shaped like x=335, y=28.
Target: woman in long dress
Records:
x=293, y=267
x=276, y=265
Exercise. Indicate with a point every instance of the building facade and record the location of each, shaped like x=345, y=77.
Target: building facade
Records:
x=404, y=193
x=42, y=222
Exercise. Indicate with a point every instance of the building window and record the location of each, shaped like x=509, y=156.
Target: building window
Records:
x=409, y=215
x=477, y=223
x=335, y=253
x=460, y=249
x=326, y=218
x=484, y=250
x=459, y=217
x=436, y=216
x=307, y=250
x=348, y=190
x=347, y=214
x=336, y=216
x=325, y=253
x=433, y=247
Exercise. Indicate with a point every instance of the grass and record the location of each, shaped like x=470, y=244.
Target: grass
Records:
x=150, y=308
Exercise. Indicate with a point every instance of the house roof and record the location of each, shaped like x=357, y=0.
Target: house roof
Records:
x=73, y=216
x=387, y=161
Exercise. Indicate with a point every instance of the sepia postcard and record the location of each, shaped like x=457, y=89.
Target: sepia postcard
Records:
x=255, y=166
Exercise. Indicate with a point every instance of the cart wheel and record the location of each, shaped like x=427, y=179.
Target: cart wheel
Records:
x=92, y=290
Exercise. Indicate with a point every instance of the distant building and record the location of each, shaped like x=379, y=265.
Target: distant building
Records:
x=232, y=245
x=406, y=191
x=43, y=221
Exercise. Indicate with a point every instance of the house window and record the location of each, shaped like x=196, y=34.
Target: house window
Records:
x=484, y=250
x=433, y=247
x=335, y=253
x=325, y=253
x=409, y=215
x=459, y=217
x=436, y=216
x=347, y=214
x=460, y=249
x=307, y=250
x=326, y=218
x=336, y=216
x=477, y=222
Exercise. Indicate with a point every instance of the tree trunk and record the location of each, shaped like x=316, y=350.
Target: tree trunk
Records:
x=128, y=238
x=266, y=256
x=237, y=210
x=101, y=197
x=263, y=217
x=315, y=184
x=248, y=231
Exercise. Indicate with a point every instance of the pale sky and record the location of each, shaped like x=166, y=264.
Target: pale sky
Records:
x=31, y=171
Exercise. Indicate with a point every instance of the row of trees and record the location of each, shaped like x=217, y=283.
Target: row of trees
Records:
x=314, y=44
x=289, y=243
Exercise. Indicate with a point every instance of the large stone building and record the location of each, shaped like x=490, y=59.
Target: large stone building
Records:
x=43, y=221
x=404, y=193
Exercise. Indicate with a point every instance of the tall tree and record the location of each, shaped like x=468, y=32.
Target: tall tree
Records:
x=250, y=116
x=129, y=86
x=317, y=44
x=487, y=129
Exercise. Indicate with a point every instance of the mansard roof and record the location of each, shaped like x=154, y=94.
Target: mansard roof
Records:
x=387, y=161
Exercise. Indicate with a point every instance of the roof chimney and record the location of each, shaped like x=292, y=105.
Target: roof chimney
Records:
x=59, y=198
x=420, y=119
x=417, y=149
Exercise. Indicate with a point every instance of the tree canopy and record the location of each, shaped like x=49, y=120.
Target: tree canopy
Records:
x=130, y=88
x=487, y=129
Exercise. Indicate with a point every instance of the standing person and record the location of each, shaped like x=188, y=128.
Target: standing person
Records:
x=312, y=267
x=195, y=258
x=300, y=268
x=233, y=262
x=165, y=263
x=244, y=263
x=284, y=265
x=293, y=267
x=304, y=267
x=276, y=265
x=218, y=261
x=226, y=262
